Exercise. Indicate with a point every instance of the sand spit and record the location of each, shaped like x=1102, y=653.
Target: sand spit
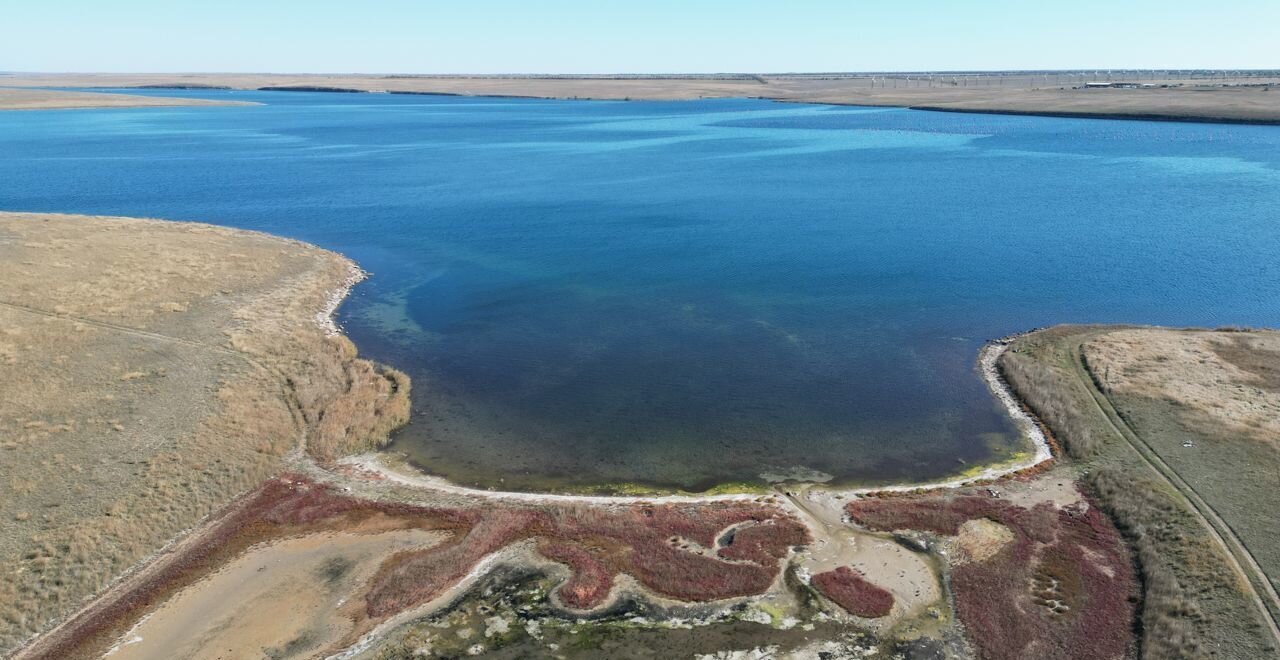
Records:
x=1171, y=96
x=48, y=99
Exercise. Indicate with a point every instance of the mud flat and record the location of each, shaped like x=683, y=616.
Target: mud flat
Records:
x=48, y=99
x=293, y=589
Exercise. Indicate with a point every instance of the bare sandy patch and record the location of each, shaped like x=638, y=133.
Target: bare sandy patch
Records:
x=980, y=539
x=909, y=576
x=283, y=600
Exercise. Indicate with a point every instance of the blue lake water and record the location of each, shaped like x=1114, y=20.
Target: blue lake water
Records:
x=686, y=293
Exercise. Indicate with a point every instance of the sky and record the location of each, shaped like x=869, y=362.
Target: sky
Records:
x=638, y=36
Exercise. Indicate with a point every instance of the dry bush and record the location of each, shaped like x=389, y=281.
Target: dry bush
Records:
x=1057, y=398
x=350, y=405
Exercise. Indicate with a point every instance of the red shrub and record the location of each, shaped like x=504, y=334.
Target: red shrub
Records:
x=764, y=543
x=848, y=589
x=595, y=542
x=591, y=580
x=1061, y=589
x=417, y=576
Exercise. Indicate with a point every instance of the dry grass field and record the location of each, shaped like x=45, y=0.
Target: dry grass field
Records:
x=1208, y=403
x=1251, y=98
x=1123, y=401
x=145, y=384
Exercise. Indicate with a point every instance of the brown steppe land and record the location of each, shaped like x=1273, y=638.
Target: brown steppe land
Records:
x=48, y=99
x=1245, y=99
x=151, y=372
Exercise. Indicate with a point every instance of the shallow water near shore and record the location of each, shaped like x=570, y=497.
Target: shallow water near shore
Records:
x=685, y=294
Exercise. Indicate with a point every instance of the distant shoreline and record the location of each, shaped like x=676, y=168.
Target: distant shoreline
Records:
x=1113, y=116
x=1246, y=98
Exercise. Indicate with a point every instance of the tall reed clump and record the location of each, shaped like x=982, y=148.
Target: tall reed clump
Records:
x=1171, y=618
x=1054, y=396
x=350, y=404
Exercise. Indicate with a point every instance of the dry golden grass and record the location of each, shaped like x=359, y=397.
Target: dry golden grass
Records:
x=152, y=371
x=1219, y=381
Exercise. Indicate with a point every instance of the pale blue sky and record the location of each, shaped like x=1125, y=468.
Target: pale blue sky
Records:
x=640, y=36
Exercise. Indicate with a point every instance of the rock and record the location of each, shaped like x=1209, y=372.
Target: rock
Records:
x=912, y=541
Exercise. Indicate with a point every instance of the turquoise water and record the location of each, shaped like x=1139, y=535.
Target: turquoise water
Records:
x=686, y=293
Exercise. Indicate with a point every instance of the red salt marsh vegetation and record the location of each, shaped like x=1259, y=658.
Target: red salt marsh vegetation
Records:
x=655, y=544
x=851, y=591
x=1063, y=587
x=666, y=548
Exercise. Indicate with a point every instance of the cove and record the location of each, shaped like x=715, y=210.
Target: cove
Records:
x=682, y=294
